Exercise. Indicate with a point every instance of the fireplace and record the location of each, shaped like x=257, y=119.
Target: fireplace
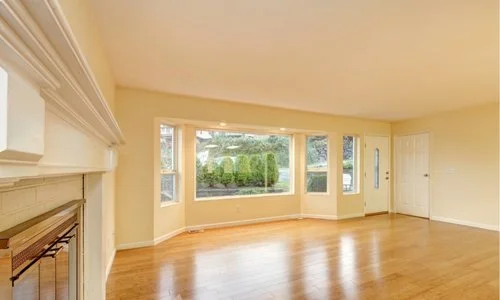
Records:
x=41, y=258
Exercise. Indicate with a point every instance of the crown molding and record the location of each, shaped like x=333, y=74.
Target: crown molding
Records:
x=22, y=57
x=36, y=38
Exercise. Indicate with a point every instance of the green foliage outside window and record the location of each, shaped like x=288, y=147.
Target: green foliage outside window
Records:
x=246, y=171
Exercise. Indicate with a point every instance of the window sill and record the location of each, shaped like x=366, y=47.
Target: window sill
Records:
x=169, y=203
x=318, y=194
x=243, y=197
x=351, y=193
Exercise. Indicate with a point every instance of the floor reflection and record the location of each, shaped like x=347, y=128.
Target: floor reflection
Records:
x=312, y=259
x=242, y=267
x=347, y=266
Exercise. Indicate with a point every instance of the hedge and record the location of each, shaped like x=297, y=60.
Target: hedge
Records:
x=317, y=184
x=242, y=170
x=246, y=171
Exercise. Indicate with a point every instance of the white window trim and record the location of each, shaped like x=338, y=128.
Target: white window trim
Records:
x=175, y=162
x=291, y=156
x=356, y=166
x=318, y=170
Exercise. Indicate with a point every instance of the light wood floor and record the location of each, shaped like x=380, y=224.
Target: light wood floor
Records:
x=378, y=257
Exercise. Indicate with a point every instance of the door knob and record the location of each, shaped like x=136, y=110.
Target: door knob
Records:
x=387, y=178
x=426, y=175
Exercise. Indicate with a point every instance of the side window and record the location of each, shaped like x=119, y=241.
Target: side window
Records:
x=317, y=164
x=168, y=160
x=350, y=164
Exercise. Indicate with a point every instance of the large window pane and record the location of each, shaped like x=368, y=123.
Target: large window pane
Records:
x=349, y=176
x=241, y=163
x=317, y=152
x=317, y=164
x=168, y=164
x=167, y=187
x=167, y=147
x=317, y=182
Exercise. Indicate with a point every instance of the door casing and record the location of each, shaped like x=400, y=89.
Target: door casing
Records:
x=394, y=169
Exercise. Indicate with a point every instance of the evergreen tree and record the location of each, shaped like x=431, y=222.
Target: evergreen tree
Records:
x=228, y=169
x=272, y=169
x=242, y=174
x=256, y=170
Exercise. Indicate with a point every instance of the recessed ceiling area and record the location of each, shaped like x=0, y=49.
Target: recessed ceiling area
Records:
x=388, y=60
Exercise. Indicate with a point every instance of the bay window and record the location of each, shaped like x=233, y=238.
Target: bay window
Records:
x=232, y=164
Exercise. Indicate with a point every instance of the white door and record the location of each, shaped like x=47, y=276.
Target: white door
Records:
x=412, y=174
x=377, y=177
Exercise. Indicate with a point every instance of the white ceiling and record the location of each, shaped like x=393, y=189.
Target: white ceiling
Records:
x=387, y=60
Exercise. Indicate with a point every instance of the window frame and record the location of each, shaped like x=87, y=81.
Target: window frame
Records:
x=356, y=164
x=322, y=170
x=291, y=155
x=175, y=163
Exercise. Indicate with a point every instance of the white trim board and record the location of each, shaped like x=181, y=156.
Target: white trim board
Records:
x=231, y=224
x=110, y=264
x=242, y=222
x=135, y=245
x=465, y=223
x=169, y=235
x=320, y=217
x=351, y=216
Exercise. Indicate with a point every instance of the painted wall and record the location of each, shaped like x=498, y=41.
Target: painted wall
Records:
x=464, y=162
x=82, y=20
x=138, y=110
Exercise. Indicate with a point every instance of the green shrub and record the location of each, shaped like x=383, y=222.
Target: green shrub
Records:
x=208, y=174
x=199, y=172
x=272, y=169
x=348, y=164
x=256, y=170
x=242, y=170
x=317, y=184
x=228, y=169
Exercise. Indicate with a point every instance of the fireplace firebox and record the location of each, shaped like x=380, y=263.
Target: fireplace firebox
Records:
x=41, y=258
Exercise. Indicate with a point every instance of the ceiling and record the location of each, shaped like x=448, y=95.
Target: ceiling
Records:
x=388, y=60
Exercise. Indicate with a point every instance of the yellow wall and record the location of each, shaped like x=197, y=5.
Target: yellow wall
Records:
x=137, y=111
x=464, y=162
x=83, y=24
x=80, y=17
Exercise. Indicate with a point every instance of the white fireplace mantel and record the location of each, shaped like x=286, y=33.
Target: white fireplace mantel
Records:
x=54, y=119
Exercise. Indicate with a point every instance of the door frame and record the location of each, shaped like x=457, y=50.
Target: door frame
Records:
x=394, y=166
x=389, y=192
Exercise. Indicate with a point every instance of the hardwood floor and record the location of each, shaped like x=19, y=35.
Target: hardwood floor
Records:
x=377, y=257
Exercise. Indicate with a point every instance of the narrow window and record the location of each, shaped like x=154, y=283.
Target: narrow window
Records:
x=376, y=173
x=168, y=173
x=317, y=164
x=350, y=164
